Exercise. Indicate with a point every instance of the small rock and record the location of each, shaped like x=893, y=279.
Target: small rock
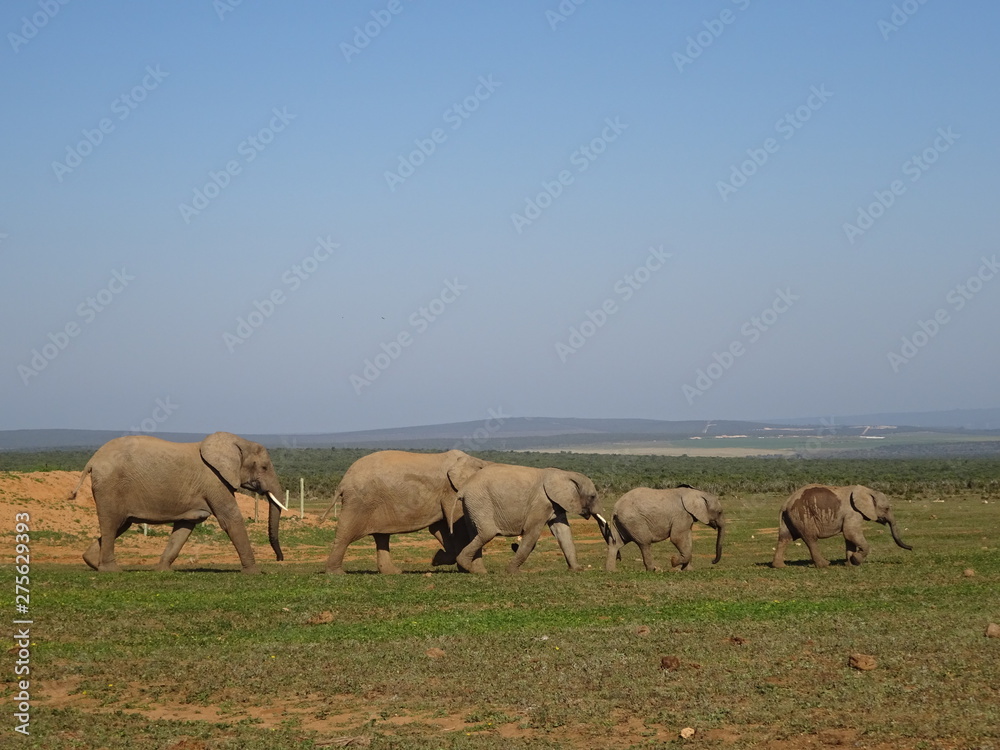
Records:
x=863, y=662
x=435, y=653
x=687, y=733
x=643, y=630
x=993, y=630
x=670, y=663
x=968, y=572
x=736, y=640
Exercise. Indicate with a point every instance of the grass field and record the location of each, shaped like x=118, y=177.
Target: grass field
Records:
x=744, y=655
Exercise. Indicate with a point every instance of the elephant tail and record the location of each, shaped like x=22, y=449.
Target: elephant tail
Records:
x=338, y=497
x=88, y=469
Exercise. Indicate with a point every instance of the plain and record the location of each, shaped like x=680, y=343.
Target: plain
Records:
x=744, y=655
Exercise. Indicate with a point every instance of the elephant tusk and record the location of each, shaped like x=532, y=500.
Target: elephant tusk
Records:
x=276, y=501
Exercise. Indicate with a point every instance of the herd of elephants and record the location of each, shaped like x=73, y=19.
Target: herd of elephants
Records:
x=462, y=500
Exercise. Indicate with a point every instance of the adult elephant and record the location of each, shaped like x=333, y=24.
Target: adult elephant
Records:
x=817, y=511
x=143, y=479
x=505, y=500
x=396, y=492
x=646, y=516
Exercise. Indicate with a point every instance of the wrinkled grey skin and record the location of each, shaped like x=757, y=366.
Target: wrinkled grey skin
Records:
x=142, y=479
x=647, y=516
x=505, y=500
x=395, y=492
x=817, y=511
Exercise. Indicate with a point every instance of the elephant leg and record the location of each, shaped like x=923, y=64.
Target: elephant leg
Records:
x=817, y=557
x=182, y=530
x=857, y=547
x=614, y=555
x=471, y=558
x=646, y=548
x=105, y=557
x=528, y=541
x=452, y=542
x=564, y=537
x=93, y=554
x=335, y=562
x=382, y=559
x=231, y=521
x=449, y=541
x=784, y=538
x=682, y=541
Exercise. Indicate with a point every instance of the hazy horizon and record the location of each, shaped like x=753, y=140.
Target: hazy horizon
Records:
x=343, y=217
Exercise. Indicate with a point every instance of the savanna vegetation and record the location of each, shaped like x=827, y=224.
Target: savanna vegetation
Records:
x=743, y=655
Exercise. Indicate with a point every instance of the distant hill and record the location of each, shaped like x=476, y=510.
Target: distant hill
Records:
x=498, y=433
x=555, y=433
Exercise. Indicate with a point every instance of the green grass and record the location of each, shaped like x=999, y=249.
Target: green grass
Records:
x=547, y=658
x=554, y=656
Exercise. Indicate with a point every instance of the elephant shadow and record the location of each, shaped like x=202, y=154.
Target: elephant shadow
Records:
x=205, y=570
x=435, y=573
x=804, y=563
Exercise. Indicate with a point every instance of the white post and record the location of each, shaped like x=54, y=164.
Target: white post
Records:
x=302, y=497
x=145, y=529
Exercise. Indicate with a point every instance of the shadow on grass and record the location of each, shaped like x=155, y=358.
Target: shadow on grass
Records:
x=807, y=563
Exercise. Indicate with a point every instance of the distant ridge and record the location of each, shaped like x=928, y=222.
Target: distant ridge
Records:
x=500, y=432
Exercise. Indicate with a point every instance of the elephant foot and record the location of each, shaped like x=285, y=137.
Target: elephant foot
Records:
x=162, y=567
x=577, y=568
x=474, y=565
x=111, y=567
x=335, y=572
x=777, y=563
x=389, y=570
x=443, y=558
x=92, y=563
x=822, y=563
x=252, y=570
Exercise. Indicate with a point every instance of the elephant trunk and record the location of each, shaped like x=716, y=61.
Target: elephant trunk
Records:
x=273, y=516
x=895, y=534
x=720, y=533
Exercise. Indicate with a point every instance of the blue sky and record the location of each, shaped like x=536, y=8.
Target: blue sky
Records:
x=314, y=217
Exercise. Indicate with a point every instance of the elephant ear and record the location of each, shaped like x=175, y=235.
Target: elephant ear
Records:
x=221, y=451
x=463, y=470
x=562, y=490
x=863, y=501
x=696, y=504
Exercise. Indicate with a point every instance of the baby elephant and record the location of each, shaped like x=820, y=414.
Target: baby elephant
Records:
x=817, y=512
x=646, y=516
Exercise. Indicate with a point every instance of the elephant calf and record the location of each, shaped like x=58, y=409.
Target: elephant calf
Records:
x=646, y=516
x=505, y=500
x=818, y=512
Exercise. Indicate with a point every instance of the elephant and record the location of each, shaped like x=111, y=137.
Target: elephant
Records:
x=506, y=500
x=143, y=479
x=817, y=511
x=646, y=516
x=395, y=492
